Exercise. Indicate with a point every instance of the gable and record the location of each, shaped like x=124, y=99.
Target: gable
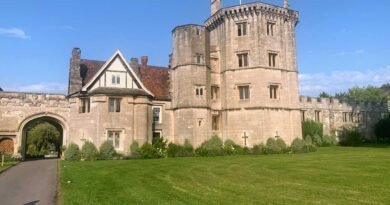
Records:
x=115, y=73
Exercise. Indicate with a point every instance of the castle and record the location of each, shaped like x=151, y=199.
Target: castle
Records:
x=235, y=76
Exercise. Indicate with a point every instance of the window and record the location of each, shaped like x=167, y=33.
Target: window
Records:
x=303, y=115
x=244, y=92
x=317, y=115
x=270, y=28
x=242, y=29
x=114, y=105
x=114, y=137
x=351, y=117
x=198, y=58
x=243, y=60
x=157, y=114
x=215, y=122
x=345, y=117
x=199, y=91
x=272, y=59
x=115, y=79
x=157, y=134
x=214, y=92
x=84, y=105
x=273, y=91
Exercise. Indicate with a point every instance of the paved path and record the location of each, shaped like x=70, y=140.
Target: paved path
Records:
x=29, y=183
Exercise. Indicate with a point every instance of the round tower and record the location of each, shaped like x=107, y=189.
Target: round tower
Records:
x=190, y=78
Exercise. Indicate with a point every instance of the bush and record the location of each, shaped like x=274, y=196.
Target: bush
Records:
x=135, y=151
x=32, y=151
x=89, y=151
x=173, y=149
x=308, y=139
x=259, y=149
x=328, y=141
x=72, y=153
x=282, y=145
x=148, y=151
x=317, y=140
x=351, y=137
x=160, y=145
x=298, y=146
x=230, y=148
x=211, y=147
x=185, y=150
x=310, y=127
x=382, y=129
x=273, y=147
x=106, y=151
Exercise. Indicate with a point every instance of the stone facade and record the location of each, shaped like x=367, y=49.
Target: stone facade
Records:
x=234, y=76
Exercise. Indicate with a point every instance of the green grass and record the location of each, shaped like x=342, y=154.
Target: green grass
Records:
x=335, y=175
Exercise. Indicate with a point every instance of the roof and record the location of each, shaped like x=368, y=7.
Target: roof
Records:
x=154, y=78
x=119, y=91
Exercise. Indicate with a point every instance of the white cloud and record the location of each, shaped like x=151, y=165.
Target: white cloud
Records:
x=360, y=51
x=14, y=32
x=57, y=88
x=339, y=81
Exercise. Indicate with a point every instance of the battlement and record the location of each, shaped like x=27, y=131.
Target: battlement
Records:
x=32, y=99
x=237, y=12
x=336, y=104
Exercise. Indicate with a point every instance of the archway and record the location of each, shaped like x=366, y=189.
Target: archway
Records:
x=33, y=121
x=6, y=145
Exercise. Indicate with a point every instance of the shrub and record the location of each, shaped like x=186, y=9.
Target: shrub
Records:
x=310, y=127
x=72, y=153
x=187, y=150
x=160, y=145
x=259, y=149
x=89, y=151
x=317, y=140
x=107, y=151
x=230, y=147
x=351, y=137
x=281, y=144
x=32, y=151
x=135, y=151
x=308, y=139
x=328, y=141
x=382, y=129
x=149, y=152
x=273, y=147
x=211, y=147
x=173, y=149
x=311, y=148
x=298, y=146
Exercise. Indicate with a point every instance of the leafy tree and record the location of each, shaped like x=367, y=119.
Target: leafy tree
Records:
x=44, y=137
x=310, y=127
x=363, y=94
x=323, y=94
x=382, y=129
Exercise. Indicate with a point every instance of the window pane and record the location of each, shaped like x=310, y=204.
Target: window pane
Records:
x=116, y=143
x=110, y=136
x=201, y=91
x=245, y=59
x=113, y=79
x=118, y=80
x=156, y=114
x=118, y=105
x=246, y=92
x=111, y=106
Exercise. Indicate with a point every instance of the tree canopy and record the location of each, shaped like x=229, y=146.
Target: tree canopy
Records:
x=42, y=138
x=363, y=94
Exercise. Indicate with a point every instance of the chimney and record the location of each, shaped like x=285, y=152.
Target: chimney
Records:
x=285, y=5
x=144, y=60
x=134, y=65
x=215, y=6
x=75, y=81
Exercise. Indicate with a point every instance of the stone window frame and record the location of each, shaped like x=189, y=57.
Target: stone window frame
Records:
x=242, y=28
x=243, y=96
x=274, y=62
x=84, y=105
x=216, y=125
x=270, y=28
x=303, y=115
x=243, y=59
x=200, y=90
x=317, y=115
x=116, y=106
x=274, y=91
x=116, y=137
x=115, y=79
x=160, y=107
x=198, y=58
x=215, y=92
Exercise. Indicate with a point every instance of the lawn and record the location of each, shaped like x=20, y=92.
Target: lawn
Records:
x=334, y=175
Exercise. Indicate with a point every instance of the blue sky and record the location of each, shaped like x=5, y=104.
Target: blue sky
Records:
x=340, y=43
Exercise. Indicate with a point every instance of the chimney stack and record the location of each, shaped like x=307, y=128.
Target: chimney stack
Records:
x=144, y=60
x=215, y=6
x=75, y=81
x=134, y=65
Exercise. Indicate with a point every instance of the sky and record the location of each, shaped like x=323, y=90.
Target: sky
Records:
x=340, y=43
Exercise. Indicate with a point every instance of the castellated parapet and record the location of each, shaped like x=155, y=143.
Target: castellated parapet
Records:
x=336, y=115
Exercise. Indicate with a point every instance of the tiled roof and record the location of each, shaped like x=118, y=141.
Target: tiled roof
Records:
x=155, y=79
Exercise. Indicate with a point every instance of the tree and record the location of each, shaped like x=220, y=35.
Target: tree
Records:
x=42, y=138
x=323, y=94
x=382, y=129
x=363, y=94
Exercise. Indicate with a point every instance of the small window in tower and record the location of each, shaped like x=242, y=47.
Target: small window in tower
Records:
x=345, y=117
x=197, y=31
x=198, y=58
x=244, y=92
x=242, y=29
x=157, y=115
x=273, y=91
x=272, y=59
x=214, y=92
x=270, y=28
x=114, y=105
x=199, y=91
x=84, y=106
x=216, y=122
x=317, y=115
x=243, y=60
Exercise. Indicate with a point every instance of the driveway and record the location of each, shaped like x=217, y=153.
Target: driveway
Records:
x=30, y=183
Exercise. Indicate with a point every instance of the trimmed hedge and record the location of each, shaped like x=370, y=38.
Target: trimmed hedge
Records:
x=211, y=147
x=89, y=151
x=106, y=151
x=317, y=140
x=72, y=153
x=186, y=150
x=310, y=127
x=135, y=150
